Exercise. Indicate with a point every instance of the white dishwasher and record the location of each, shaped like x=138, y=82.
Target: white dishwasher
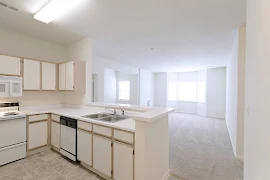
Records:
x=68, y=142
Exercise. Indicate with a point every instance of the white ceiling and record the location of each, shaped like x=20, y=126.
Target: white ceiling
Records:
x=160, y=35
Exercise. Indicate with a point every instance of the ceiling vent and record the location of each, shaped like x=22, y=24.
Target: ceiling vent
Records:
x=8, y=6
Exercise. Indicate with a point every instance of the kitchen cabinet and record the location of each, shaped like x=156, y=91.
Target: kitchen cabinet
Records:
x=31, y=74
x=48, y=76
x=55, y=134
x=123, y=165
x=62, y=77
x=72, y=76
x=38, y=134
x=102, y=155
x=84, y=145
x=10, y=65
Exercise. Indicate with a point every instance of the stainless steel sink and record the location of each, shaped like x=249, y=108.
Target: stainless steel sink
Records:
x=97, y=116
x=106, y=117
x=114, y=118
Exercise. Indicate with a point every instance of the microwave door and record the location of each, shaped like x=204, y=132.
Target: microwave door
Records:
x=15, y=89
x=5, y=89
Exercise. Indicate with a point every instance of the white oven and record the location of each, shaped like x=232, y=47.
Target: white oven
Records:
x=10, y=86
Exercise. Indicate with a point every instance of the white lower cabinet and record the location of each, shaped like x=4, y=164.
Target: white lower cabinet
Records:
x=55, y=135
x=84, y=143
x=123, y=161
x=102, y=155
x=38, y=134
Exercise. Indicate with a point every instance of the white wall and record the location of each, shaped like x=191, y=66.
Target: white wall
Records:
x=134, y=81
x=160, y=90
x=109, y=86
x=201, y=107
x=235, y=96
x=146, y=87
x=81, y=51
x=98, y=66
x=19, y=45
x=257, y=123
x=216, y=93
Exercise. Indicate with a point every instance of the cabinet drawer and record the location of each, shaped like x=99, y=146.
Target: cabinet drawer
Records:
x=102, y=130
x=123, y=136
x=38, y=117
x=85, y=126
x=55, y=118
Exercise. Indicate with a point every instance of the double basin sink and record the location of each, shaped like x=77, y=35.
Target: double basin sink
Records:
x=110, y=118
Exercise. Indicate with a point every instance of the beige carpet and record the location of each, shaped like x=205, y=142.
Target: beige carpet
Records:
x=200, y=149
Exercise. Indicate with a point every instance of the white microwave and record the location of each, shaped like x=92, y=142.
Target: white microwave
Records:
x=10, y=86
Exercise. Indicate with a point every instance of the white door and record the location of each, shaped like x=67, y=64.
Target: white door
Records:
x=55, y=135
x=31, y=75
x=123, y=162
x=48, y=76
x=62, y=76
x=10, y=65
x=84, y=146
x=38, y=134
x=70, y=76
x=102, y=155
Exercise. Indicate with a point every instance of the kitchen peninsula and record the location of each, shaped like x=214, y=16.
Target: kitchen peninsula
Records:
x=136, y=148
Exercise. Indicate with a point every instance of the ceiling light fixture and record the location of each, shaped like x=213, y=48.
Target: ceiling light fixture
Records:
x=54, y=9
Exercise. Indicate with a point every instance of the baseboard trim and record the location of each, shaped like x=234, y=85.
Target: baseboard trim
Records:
x=240, y=158
x=167, y=175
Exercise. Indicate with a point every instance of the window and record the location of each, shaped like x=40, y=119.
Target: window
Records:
x=201, y=92
x=124, y=90
x=187, y=91
x=172, y=91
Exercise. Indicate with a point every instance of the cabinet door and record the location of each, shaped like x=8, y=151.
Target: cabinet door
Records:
x=55, y=135
x=31, y=75
x=10, y=65
x=102, y=155
x=48, y=76
x=123, y=162
x=62, y=76
x=38, y=134
x=70, y=76
x=84, y=147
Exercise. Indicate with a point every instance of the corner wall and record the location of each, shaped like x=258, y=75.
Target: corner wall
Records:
x=235, y=93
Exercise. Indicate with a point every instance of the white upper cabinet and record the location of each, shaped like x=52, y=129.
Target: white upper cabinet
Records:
x=48, y=76
x=62, y=77
x=70, y=76
x=31, y=75
x=10, y=65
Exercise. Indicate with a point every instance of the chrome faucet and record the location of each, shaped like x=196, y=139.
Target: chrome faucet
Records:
x=113, y=111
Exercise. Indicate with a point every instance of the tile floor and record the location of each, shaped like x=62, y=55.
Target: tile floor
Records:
x=200, y=149
x=47, y=165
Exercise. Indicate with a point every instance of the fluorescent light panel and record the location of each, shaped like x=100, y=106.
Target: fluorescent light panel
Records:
x=54, y=9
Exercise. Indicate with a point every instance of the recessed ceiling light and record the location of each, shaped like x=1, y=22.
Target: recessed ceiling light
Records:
x=54, y=9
